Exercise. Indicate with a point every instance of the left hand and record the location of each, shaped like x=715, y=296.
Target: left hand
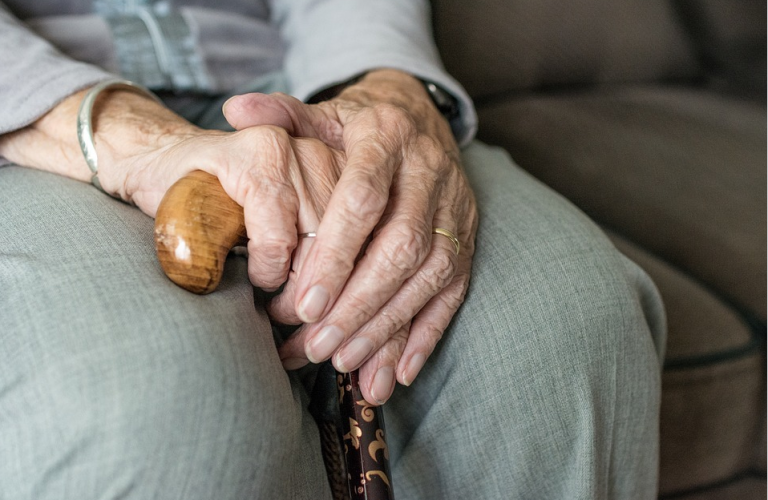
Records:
x=386, y=312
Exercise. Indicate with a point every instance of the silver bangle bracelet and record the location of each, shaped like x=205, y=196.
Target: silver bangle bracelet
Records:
x=85, y=123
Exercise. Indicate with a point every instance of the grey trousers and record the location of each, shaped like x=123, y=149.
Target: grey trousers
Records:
x=114, y=383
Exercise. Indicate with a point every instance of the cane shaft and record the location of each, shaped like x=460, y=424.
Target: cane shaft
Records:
x=365, y=448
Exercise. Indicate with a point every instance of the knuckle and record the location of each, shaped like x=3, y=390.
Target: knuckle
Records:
x=454, y=295
x=391, y=321
x=270, y=143
x=395, y=119
x=359, y=305
x=442, y=268
x=391, y=112
x=275, y=135
x=364, y=203
x=256, y=139
x=402, y=253
x=433, y=150
x=274, y=251
x=336, y=263
x=431, y=333
x=265, y=277
x=400, y=338
x=391, y=352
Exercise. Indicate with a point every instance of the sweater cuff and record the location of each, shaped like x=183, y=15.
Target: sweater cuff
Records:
x=319, y=57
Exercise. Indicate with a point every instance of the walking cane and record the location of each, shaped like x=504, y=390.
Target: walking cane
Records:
x=196, y=226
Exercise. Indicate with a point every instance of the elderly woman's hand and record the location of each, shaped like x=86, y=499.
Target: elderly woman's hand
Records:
x=282, y=183
x=402, y=179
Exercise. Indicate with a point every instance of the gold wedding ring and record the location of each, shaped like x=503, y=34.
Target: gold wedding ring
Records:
x=449, y=235
x=307, y=235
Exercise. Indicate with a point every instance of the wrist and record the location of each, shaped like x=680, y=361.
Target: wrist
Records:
x=128, y=126
x=404, y=90
x=431, y=108
x=125, y=126
x=393, y=87
x=123, y=129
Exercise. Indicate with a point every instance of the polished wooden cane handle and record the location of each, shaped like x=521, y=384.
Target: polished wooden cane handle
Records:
x=196, y=226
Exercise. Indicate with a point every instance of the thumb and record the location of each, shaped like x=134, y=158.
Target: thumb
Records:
x=281, y=110
x=250, y=110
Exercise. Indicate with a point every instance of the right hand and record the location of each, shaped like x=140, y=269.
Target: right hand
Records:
x=282, y=183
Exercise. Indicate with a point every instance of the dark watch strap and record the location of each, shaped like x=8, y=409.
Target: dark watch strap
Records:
x=445, y=102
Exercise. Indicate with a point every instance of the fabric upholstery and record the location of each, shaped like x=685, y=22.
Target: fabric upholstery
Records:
x=624, y=107
x=681, y=172
x=497, y=46
x=710, y=416
x=730, y=38
x=748, y=487
x=702, y=326
x=712, y=384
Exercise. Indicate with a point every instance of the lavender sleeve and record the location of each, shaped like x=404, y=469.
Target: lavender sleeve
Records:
x=35, y=76
x=331, y=41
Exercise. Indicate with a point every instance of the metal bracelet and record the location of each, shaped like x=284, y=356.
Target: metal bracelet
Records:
x=85, y=122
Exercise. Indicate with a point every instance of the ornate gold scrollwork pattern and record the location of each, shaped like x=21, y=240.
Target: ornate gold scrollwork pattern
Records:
x=340, y=383
x=369, y=476
x=367, y=411
x=379, y=444
x=354, y=434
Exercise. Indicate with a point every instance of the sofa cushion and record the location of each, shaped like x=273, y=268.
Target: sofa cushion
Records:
x=701, y=327
x=751, y=487
x=682, y=172
x=730, y=37
x=713, y=383
x=498, y=46
x=709, y=418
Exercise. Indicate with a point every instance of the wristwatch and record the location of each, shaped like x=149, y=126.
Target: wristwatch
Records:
x=445, y=102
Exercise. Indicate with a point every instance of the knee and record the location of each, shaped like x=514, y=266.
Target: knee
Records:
x=551, y=299
x=552, y=353
x=555, y=344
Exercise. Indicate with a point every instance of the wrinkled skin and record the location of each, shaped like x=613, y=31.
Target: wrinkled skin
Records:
x=402, y=178
x=375, y=166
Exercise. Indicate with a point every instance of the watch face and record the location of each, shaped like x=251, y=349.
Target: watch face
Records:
x=445, y=102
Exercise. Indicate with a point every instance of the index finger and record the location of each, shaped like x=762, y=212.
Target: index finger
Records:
x=355, y=208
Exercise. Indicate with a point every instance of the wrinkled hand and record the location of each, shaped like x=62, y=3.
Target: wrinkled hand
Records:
x=282, y=183
x=275, y=178
x=143, y=148
x=386, y=312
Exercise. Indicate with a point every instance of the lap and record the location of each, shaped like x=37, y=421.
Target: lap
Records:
x=530, y=369
x=549, y=373
x=106, y=362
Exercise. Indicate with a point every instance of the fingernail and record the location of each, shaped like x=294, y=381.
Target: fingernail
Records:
x=224, y=106
x=324, y=343
x=382, y=384
x=294, y=363
x=313, y=304
x=413, y=368
x=353, y=354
